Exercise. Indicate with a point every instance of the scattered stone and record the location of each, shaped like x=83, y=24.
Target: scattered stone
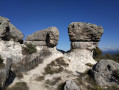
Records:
x=70, y=85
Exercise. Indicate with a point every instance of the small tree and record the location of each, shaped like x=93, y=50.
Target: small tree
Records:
x=97, y=53
x=29, y=49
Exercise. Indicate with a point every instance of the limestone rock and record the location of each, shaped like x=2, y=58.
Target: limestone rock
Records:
x=70, y=85
x=9, y=32
x=84, y=39
x=11, y=49
x=79, y=31
x=103, y=73
x=48, y=37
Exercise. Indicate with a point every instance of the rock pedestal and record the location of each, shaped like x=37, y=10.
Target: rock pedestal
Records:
x=84, y=39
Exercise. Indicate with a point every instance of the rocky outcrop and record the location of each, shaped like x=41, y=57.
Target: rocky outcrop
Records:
x=70, y=85
x=47, y=37
x=9, y=32
x=104, y=73
x=84, y=39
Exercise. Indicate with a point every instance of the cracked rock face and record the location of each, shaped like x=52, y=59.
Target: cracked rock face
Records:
x=9, y=32
x=47, y=37
x=79, y=31
x=104, y=73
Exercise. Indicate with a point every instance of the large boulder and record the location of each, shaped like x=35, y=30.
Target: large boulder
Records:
x=106, y=73
x=47, y=37
x=70, y=85
x=9, y=32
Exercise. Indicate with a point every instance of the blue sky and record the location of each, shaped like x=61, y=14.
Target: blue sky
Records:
x=33, y=15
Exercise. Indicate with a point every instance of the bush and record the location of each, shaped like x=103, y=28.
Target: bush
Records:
x=1, y=60
x=19, y=86
x=97, y=53
x=45, y=52
x=56, y=66
x=53, y=81
x=29, y=49
x=50, y=70
x=40, y=78
x=89, y=64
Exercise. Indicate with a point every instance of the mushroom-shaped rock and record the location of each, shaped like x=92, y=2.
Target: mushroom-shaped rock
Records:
x=47, y=37
x=9, y=32
x=84, y=39
x=84, y=35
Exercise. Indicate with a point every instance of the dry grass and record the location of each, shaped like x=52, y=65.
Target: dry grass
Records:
x=19, y=75
x=56, y=66
x=89, y=64
x=40, y=78
x=19, y=86
x=53, y=81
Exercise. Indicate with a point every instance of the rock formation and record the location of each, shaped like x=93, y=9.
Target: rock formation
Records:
x=84, y=35
x=47, y=37
x=11, y=40
x=84, y=39
x=9, y=32
x=104, y=73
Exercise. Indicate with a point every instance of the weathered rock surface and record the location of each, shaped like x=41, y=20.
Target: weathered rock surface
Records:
x=79, y=31
x=47, y=37
x=11, y=49
x=9, y=32
x=103, y=73
x=70, y=85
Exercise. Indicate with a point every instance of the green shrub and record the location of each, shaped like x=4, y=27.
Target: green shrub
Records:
x=19, y=86
x=53, y=81
x=40, y=78
x=97, y=53
x=1, y=60
x=61, y=62
x=56, y=66
x=29, y=49
x=50, y=70
x=89, y=64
